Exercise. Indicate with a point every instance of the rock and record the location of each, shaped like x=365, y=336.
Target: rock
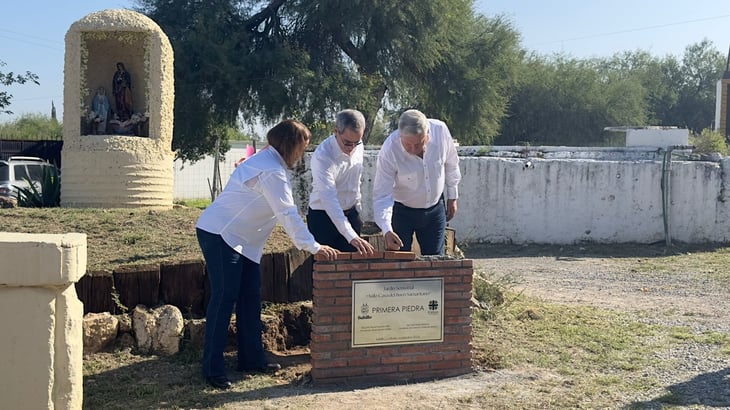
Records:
x=195, y=331
x=158, y=331
x=99, y=329
x=168, y=332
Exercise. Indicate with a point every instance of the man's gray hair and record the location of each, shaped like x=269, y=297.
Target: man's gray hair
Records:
x=349, y=119
x=413, y=122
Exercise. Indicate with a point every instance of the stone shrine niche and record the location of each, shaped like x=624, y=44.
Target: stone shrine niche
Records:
x=101, y=54
x=117, y=157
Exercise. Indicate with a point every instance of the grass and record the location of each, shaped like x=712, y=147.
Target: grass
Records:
x=560, y=356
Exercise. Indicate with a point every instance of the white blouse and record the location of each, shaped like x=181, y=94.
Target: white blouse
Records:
x=257, y=195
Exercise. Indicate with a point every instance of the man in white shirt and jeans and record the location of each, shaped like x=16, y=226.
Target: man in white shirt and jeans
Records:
x=334, y=204
x=417, y=168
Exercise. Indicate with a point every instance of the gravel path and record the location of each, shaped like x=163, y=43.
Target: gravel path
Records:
x=690, y=299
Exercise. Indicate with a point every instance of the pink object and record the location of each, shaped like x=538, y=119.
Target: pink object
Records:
x=249, y=152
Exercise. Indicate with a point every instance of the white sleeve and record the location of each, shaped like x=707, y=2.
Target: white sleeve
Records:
x=452, y=174
x=323, y=180
x=277, y=190
x=385, y=173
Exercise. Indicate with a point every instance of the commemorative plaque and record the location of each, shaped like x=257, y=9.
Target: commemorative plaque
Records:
x=392, y=312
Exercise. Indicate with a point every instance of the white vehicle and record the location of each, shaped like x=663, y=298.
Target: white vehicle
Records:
x=15, y=172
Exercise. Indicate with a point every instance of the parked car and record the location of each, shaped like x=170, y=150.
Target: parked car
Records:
x=15, y=172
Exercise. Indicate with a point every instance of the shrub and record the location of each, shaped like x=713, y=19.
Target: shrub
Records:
x=710, y=141
x=49, y=195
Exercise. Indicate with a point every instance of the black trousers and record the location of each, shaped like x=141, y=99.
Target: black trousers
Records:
x=325, y=232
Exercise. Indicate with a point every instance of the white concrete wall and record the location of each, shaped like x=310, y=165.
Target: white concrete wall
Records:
x=41, y=345
x=567, y=196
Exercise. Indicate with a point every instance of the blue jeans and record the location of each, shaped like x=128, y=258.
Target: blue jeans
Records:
x=429, y=224
x=234, y=279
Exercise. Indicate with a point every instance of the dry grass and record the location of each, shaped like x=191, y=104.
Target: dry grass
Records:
x=123, y=236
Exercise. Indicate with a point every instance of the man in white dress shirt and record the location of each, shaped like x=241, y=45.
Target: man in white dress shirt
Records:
x=417, y=168
x=334, y=204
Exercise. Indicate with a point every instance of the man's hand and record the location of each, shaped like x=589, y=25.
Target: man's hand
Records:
x=392, y=241
x=451, y=207
x=363, y=247
x=328, y=252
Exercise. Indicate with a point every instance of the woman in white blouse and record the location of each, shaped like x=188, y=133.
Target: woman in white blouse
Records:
x=232, y=233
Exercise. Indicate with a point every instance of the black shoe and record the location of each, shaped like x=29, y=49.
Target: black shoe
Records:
x=219, y=382
x=267, y=368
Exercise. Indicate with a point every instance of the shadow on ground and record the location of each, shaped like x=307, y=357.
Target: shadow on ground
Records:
x=707, y=389
x=622, y=250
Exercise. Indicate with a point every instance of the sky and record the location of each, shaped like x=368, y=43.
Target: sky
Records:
x=32, y=34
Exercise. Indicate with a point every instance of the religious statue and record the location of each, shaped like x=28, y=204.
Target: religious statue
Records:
x=99, y=112
x=122, y=87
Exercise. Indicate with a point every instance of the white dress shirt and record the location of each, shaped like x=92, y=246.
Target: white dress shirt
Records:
x=257, y=195
x=414, y=181
x=336, y=183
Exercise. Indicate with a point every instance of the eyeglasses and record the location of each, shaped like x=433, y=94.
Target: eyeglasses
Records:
x=348, y=144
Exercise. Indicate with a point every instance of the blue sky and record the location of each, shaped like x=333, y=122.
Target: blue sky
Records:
x=32, y=33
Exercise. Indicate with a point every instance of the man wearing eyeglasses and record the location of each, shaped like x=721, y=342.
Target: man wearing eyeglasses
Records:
x=417, y=167
x=334, y=204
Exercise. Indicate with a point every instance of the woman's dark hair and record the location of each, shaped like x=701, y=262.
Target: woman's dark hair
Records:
x=289, y=138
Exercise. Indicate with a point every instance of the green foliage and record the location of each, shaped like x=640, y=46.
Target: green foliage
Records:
x=32, y=127
x=8, y=79
x=565, y=101
x=274, y=59
x=709, y=141
x=49, y=195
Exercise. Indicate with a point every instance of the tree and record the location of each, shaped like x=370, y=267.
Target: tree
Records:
x=308, y=59
x=565, y=101
x=8, y=79
x=32, y=127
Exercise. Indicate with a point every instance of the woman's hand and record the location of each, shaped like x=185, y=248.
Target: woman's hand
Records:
x=328, y=252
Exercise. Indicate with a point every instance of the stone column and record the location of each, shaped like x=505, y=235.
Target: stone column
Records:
x=41, y=336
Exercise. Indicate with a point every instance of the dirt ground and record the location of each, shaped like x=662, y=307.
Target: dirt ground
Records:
x=576, y=276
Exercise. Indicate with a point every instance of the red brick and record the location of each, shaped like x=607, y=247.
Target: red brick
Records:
x=332, y=292
x=427, y=273
x=375, y=255
x=333, y=347
x=347, y=320
x=467, y=263
x=382, y=351
x=381, y=265
x=323, y=284
x=329, y=363
x=457, y=320
x=336, y=372
x=399, y=274
x=363, y=361
x=321, y=337
x=318, y=301
x=463, y=287
x=323, y=319
x=341, y=301
x=381, y=369
x=343, y=283
x=399, y=255
x=446, y=264
x=335, y=310
x=331, y=275
x=399, y=359
x=352, y=267
x=321, y=356
x=413, y=367
x=419, y=265
x=446, y=364
x=316, y=328
x=323, y=266
x=366, y=275
x=342, y=337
